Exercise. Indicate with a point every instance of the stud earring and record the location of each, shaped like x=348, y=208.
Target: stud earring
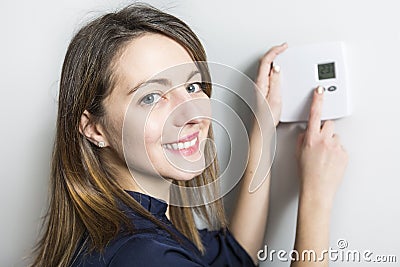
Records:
x=101, y=144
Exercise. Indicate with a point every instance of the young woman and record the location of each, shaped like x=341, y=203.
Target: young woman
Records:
x=99, y=213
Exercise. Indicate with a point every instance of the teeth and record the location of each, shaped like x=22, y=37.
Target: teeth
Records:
x=180, y=145
x=193, y=142
x=186, y=144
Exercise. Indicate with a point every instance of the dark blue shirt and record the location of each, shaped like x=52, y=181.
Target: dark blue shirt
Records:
x=152, y=246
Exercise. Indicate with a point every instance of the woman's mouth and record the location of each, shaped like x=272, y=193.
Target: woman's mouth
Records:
x=186, y=146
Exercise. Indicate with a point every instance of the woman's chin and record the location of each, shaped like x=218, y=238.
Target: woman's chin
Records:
x=186, y=175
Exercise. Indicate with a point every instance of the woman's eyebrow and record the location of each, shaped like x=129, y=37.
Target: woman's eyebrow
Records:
x=162, y=81
x=193, y=73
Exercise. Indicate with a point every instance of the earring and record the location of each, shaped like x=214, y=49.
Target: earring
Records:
x=101, y=144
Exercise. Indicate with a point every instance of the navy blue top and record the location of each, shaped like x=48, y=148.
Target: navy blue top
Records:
x=151, y=245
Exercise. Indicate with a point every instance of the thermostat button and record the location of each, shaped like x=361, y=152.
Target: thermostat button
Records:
x=332, y=88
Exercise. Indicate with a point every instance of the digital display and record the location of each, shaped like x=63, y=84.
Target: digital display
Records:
x=326, y=71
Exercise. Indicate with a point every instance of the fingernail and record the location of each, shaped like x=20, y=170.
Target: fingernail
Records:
x=320, y=90
x=277, y=69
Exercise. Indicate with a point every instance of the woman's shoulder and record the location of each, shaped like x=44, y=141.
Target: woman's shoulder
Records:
x=222, y=249
x=145, y=248
x=151, y=250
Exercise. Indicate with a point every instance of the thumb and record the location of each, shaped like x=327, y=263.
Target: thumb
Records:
x=299, y=144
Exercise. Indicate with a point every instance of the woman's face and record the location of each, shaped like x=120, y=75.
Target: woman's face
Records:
x=157, y=116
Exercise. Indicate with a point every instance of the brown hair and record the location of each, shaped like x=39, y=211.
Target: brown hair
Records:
x=84, y=197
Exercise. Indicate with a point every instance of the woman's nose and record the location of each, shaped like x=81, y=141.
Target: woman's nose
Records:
x=187, y=108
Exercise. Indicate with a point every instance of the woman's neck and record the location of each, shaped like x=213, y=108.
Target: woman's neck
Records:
x=145, y=183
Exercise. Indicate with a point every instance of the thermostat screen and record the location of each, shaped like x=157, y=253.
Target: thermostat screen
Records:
x=326, y=71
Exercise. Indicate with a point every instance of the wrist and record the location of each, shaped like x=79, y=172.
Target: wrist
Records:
x=315, y=199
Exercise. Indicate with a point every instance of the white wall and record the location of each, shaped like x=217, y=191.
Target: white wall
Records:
x=35, y=35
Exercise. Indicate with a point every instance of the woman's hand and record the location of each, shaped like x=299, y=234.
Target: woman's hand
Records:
x=268, y=80
x=322, y=162
x=321, y=157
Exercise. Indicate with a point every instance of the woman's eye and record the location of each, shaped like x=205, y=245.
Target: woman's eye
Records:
x=194, y=87
x=151, y=99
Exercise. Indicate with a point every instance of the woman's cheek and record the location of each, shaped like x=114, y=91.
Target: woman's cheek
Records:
x=153, y=129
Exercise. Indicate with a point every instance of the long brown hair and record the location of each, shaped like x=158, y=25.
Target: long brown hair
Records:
x=84, y=196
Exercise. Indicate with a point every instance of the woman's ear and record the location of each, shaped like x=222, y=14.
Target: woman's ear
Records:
x=91, y=130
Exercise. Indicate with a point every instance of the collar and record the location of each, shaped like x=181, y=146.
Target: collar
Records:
x=155, y=206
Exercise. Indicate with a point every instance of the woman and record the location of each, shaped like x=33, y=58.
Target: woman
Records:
x=99, y=213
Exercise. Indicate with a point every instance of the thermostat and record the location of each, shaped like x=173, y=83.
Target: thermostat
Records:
x=303, y=68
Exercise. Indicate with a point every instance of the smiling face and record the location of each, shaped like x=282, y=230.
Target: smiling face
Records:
x=157, y=116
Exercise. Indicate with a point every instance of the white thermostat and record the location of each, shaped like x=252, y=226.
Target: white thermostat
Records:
x=304, y=68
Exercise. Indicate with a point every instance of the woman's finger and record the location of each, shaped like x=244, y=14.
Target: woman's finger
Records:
x=299, y=144
x=274, y=83
x=314, y=121
x=328, y=129
x=274, y=98
x=336, y=139
x=264, y=68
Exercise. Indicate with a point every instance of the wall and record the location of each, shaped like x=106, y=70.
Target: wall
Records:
x=366, y=212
